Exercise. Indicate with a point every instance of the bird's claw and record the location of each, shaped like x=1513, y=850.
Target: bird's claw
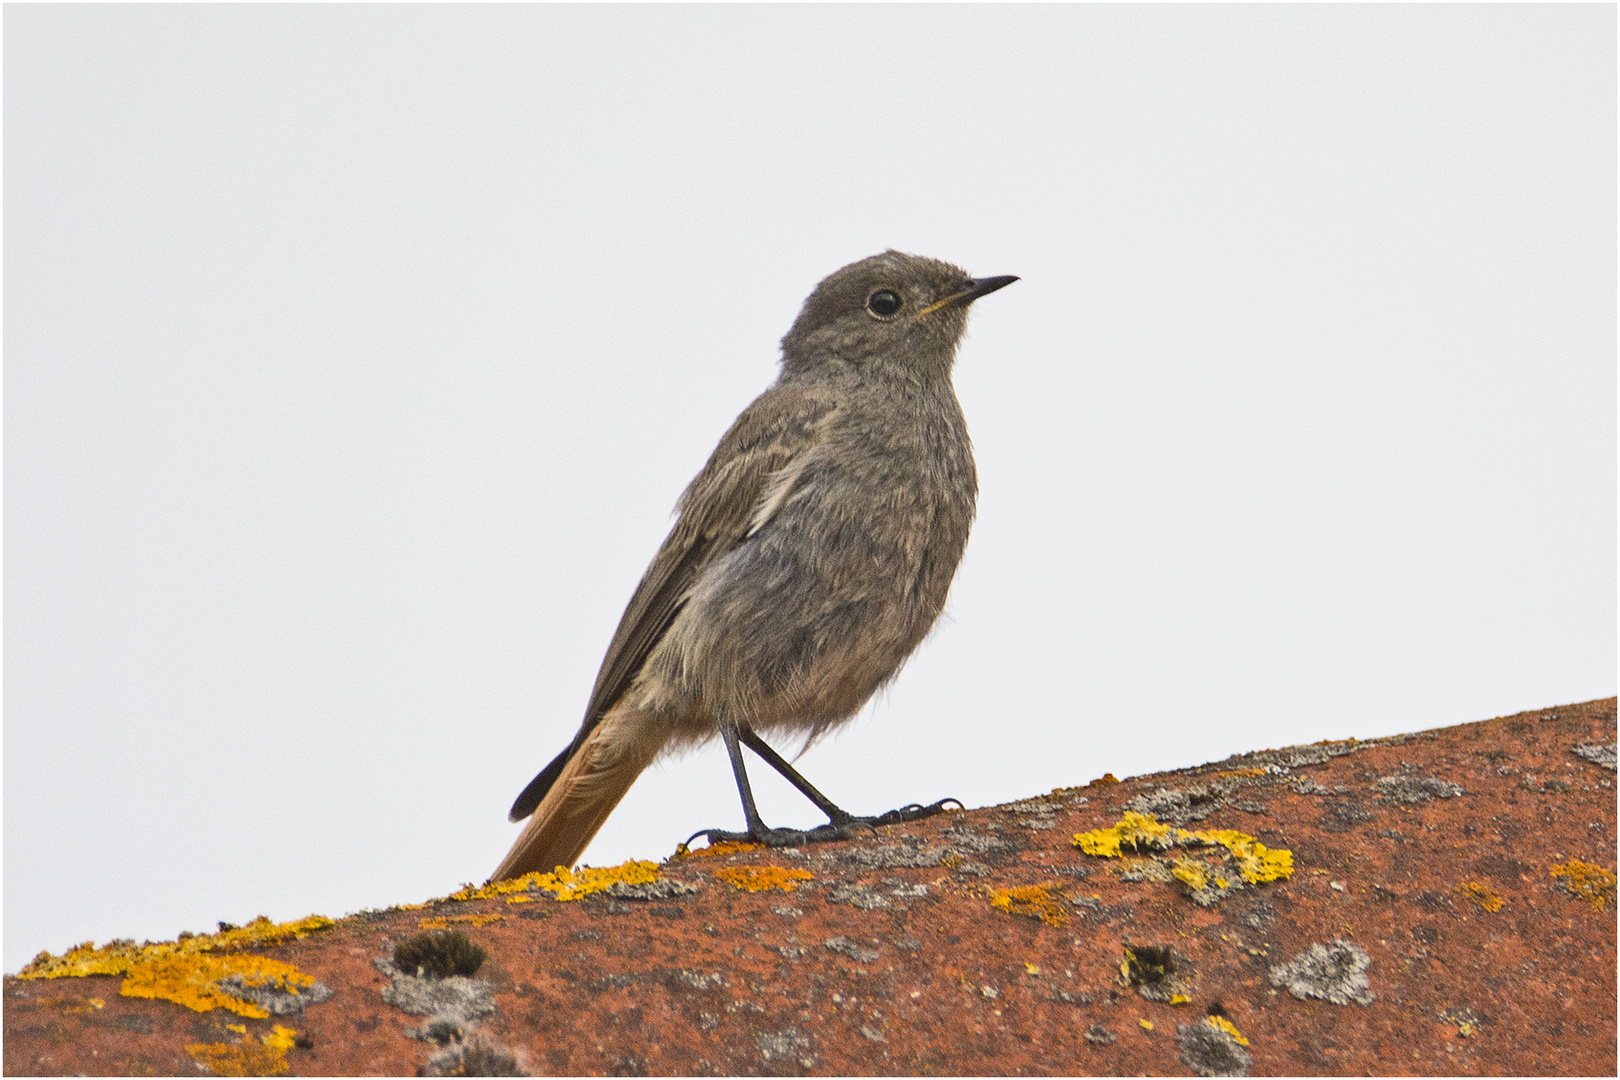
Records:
x=912, y=812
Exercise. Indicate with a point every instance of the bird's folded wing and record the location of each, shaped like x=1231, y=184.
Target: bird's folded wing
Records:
x=748, y=478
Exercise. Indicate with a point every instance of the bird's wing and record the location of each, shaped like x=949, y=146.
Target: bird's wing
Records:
x=737, y=491
x=748, y=478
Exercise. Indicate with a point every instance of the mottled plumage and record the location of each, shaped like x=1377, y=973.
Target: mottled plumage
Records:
x=810, y=556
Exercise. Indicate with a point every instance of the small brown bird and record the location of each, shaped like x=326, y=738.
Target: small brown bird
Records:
x=810, y=557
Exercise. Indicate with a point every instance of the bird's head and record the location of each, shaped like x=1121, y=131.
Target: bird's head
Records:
x=892, y=314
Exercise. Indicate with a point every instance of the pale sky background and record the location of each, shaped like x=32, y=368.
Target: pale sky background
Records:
x=355, y=357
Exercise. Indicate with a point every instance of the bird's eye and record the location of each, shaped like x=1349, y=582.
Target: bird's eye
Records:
x=883, y=303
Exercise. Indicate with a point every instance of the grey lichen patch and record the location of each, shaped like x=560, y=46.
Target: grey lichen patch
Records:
x=662, y=889
x=1031, y=806
x=1214, y=892
x=1211, y=1050
x=857, y=895
x=1416, y=789
x=1335, y=972
x=1258, y=915
x=696, y=980
x=1596, y=754
x=784, y=1046
x=1293, y=757
x=1177, y=806
x=903, y=851
x=276, y=999
x=1099, y=1035
x=1343, y=816
x=966, y=840
x=1146, y=870
x=449, y=1003
x=851, y=949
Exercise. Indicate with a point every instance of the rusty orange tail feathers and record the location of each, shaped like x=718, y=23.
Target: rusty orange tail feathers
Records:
x=590, y=785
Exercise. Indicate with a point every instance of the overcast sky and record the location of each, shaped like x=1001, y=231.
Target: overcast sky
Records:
x=355, y=357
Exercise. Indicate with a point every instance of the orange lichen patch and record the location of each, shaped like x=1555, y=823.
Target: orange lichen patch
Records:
x=724, y=847
x=117, y=957
x=268, y=1058
x=443, y=922
x=1194, y=874
x=1227, y=1026
x=71, y=1004
x=1245, y=773
x=1481, y=896
x=1104, y=780
x=1584, y=881
x=1140, y=833
x=566, y=884
x=193, y=981
x=113, y=958
x=1255, y=862
x=1035, y=901
x=760, y=878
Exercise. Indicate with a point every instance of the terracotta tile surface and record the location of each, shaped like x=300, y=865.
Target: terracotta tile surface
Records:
x=1422, y=908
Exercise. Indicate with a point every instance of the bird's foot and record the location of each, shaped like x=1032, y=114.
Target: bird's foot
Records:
x=842, y=827
x=913, y=812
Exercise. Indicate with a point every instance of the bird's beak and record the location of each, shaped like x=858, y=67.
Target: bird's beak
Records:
x=975, y=288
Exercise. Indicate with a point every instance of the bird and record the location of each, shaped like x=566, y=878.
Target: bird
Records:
x=809, y=557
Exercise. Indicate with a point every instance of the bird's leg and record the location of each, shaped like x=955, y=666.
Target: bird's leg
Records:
x=835, y=814
x=840, y=825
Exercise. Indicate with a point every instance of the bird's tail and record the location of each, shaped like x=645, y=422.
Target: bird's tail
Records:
x=592, y=781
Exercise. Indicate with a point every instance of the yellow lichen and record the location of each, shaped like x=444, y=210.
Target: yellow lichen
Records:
x=113, y=958
x=1588, y=882
x=1035, y=901
x=1147, y=1025
x=1255, y=861
x=760, y=878
x=1179, y=999
x=117, y=957
x=71, y=1004
x=566, y=884
x=520, y=899
x=268, y=1058
x=443, y=922
x=1192, y=872
x=1223, y=1024
x=1140, y=833
x=187, y=971
x=724, y=847
x=193, y=981
x=1249, y=772
x=1481, y=896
